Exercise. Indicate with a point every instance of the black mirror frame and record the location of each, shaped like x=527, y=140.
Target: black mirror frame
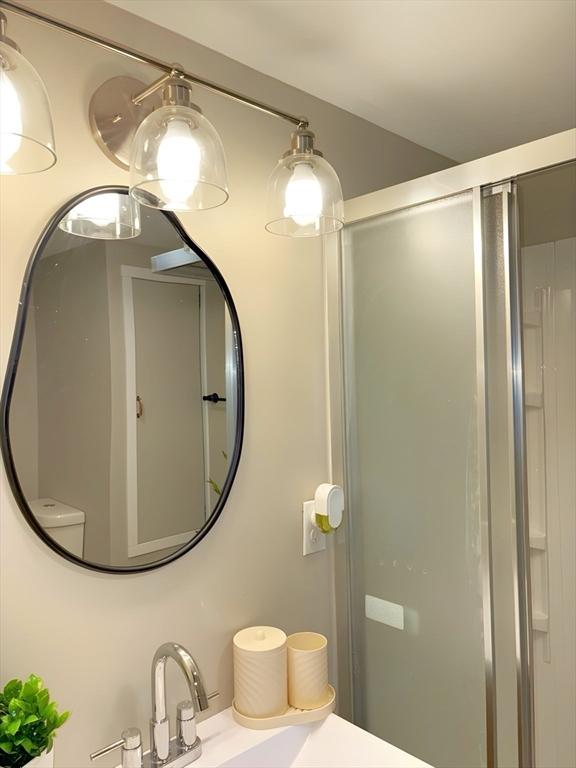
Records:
x=13, y=360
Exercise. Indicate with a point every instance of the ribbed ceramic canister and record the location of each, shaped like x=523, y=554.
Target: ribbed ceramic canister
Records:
x=260, y=672
x=307, y=670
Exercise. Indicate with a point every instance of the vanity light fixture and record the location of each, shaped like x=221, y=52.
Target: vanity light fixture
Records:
x=26, y=133
x=175, y=155
x=177, y=161
x=304, y=194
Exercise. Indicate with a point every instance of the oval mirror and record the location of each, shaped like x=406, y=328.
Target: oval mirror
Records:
x=123, y=406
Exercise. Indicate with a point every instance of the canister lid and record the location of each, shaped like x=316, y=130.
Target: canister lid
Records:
x=260, y=639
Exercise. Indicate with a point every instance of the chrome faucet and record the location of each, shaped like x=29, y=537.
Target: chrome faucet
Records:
x=186, y=747
x=160, y=723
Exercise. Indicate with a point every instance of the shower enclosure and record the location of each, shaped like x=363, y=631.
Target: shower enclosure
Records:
x=451, y=320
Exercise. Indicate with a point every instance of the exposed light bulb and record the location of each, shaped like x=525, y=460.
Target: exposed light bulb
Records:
x=10, y=122
x=303, y=196
x=178, y=163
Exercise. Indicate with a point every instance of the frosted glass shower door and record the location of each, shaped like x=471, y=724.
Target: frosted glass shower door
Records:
x=415, y=493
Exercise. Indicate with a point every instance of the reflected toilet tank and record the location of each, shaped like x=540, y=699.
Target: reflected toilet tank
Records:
x=62, y=523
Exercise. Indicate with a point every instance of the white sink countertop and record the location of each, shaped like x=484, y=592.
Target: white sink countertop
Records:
x=332, y=743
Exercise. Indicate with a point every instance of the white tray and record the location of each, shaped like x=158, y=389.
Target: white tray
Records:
x=292, y=716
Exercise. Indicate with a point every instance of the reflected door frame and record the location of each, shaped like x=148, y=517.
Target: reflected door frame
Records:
x=129, y=274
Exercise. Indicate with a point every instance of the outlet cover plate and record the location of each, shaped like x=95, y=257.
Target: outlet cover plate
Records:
x=313, y=540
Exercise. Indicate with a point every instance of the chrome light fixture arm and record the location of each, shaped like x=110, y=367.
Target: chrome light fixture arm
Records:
x=150, y=136
x=138, y=98
x=168, y=69
x=175, y=86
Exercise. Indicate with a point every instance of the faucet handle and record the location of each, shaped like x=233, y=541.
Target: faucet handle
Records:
x=186, y=724
x=131, y=743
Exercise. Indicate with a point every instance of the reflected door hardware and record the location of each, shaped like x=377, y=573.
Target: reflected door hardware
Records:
x=321, y=516
x=139, y=407
x=214, y=398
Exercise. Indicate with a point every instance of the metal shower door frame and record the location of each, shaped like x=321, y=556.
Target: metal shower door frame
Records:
x=478, y=176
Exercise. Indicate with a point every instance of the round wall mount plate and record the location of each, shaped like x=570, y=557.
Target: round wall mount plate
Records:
x=114, y=118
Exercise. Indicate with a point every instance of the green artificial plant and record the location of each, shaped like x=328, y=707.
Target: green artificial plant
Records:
x=28, y=721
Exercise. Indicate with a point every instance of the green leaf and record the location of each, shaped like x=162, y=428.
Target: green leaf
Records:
x=31, y=748
x=31, y=719
x=214, y=487
x=43, y=701
x=31, y=688
x=6, y=746
x=14, y=706
x=62, y=719
x=13, y=726
x=12, y=689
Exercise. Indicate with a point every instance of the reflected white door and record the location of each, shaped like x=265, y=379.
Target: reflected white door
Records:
x=166, y=443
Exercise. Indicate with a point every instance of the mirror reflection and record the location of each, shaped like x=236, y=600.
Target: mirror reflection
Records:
x=124, y=414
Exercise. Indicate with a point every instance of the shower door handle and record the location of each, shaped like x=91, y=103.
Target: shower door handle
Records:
x=139, y=407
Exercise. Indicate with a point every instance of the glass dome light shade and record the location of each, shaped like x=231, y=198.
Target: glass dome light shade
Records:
x=178, y=162
x=304, y=197
x=26, y=132
x=104, y=216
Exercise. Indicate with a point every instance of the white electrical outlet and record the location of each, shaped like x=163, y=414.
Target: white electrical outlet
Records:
x=313, y=540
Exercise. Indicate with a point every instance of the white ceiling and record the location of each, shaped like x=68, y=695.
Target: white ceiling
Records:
x=462, y=77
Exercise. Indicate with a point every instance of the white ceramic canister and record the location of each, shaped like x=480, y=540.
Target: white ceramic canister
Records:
x=260, y=672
